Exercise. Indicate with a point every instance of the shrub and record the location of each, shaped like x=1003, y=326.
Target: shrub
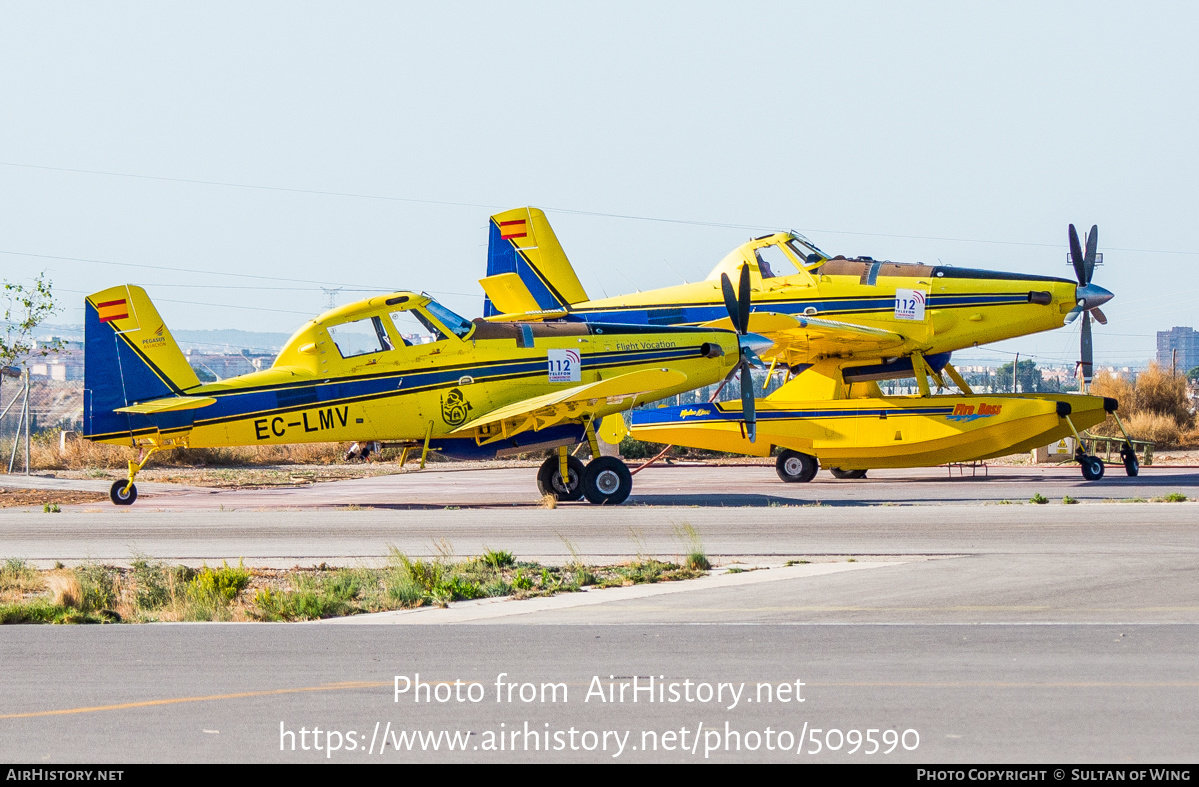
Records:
x=1162, y=430
x=1155, y=408
x=97, y=588
x=219, y=585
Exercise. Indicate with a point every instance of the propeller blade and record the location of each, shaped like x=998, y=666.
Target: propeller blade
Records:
x=1088, y=359
x=1099, y=316
x=748, y=408
x=1072, y=315
x=730, y=301
x=743, y=301
x=1089, y=260
x=1080, y=270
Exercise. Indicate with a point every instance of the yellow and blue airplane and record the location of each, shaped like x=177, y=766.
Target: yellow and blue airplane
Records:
x=838, y=325
x=399, y=368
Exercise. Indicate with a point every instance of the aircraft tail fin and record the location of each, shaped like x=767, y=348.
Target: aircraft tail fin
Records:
x=129, y=357
x=527, y=270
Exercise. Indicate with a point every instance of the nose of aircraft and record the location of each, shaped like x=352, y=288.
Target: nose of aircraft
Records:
x=1091, y=295
x=758, y=343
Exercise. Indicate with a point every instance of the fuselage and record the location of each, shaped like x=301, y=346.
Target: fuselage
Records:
x=961, y=307
x=353, y=374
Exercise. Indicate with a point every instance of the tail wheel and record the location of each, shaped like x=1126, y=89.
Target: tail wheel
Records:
x=119, y=496
x=549, y=479
x=1092, y=468
x=1131, y=465
x=847, y=474
x=607, y=481
x=793, y=467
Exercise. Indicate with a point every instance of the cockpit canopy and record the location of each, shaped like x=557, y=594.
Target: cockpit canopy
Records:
x=773, y=256
x=405, y=322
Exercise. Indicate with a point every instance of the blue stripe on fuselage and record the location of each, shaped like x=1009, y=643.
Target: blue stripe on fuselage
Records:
x=676, y=314
x=709, y=413
x=235, y=405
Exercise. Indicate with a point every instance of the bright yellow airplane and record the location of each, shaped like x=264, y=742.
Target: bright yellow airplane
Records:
x=838, y=326
x=400, y=368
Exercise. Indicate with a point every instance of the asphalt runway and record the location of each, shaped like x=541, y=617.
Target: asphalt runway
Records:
x=204, y=693
x=997, y=633
x=661, y=485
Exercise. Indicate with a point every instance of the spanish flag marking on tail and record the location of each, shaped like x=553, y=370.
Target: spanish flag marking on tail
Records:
x=517, y=228
x=113, y=310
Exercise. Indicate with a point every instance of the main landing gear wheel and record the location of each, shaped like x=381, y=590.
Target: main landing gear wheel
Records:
x=1092, y=467
x=847, y=474
x=607, y=481
x=792, y=467
x=549, y=479
x=1131, y=465
x=119, y=496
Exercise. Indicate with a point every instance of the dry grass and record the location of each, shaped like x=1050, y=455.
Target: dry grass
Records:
x=65, y=589
x=80, y=454
x=1156, y=408
x=151, y=590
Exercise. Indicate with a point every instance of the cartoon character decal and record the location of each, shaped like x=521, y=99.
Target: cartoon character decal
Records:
x=454, y=407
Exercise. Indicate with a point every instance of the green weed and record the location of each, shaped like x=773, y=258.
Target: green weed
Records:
x=498, y=559
x=1038, y=499
x=1069, y=501
x=696, y=558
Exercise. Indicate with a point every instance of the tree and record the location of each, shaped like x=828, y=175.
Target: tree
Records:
x=1028, y=376
x=26, y=306
x=1193, y=374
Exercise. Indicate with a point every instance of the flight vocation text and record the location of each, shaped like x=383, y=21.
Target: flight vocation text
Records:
x=631, y=689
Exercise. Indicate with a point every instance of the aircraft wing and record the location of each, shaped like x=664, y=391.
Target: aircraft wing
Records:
x=167, y=404
x=571, y=404
x=814, y=336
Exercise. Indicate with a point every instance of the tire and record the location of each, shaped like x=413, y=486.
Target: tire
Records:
x=1092, y=468
x=847, y=474
x=1131, y=465
x=794, y=467
x=121, y=498
x=607, y=481
x=549, y=480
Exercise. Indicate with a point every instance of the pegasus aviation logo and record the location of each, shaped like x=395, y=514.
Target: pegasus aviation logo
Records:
x=157, y=339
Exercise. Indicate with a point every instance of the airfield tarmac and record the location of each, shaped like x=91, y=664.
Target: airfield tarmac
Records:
x=1001, y=632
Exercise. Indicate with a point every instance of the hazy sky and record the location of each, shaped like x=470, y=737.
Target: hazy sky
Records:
x=364, y=145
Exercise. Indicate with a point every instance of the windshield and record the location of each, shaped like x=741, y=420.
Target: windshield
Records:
x=805, y=250
x=455, y=323
x=415, y=328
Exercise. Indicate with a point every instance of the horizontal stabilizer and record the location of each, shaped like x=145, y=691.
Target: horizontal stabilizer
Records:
x=167, y=405
x=509, y=294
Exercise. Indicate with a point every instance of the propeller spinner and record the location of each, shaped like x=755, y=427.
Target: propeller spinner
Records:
x=1088, y=297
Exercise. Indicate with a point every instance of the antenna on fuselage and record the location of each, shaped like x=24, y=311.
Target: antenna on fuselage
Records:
x=676, y=270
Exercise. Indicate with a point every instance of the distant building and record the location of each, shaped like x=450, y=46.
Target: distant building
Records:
x=64, y=364
x=1180, y=345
